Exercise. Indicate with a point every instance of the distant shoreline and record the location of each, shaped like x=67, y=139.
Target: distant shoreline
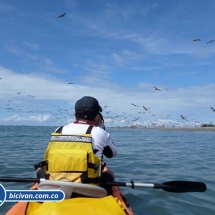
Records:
x=174, y=129
x=140, y=128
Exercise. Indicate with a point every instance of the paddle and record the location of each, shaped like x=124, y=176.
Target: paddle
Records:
x=171, y=186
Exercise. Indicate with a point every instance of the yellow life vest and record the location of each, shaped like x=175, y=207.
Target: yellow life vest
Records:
x=71, y=158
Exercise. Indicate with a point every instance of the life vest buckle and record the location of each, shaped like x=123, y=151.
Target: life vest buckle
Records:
x=96, y=167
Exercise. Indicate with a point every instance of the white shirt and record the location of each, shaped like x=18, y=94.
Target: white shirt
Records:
x=100, y=138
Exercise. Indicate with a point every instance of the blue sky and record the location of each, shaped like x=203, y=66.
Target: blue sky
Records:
x=115, y=51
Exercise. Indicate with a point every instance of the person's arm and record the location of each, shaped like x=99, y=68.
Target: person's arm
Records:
x=104, y=143
x=110, y=150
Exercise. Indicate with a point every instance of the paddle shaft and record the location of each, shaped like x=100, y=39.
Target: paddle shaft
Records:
x=12, y=179
x=130, y=184
x=125, y=184
x=171, y=186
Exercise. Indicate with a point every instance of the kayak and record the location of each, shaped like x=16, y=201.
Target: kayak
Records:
x=88, y=199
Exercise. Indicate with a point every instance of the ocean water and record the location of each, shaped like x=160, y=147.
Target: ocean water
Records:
x=144, y=155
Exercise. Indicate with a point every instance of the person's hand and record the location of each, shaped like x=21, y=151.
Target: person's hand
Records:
x=98, y=120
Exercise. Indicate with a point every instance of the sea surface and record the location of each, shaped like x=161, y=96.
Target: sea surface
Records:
x=144, y=156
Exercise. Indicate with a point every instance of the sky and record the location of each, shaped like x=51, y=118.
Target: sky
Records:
x=127, y=54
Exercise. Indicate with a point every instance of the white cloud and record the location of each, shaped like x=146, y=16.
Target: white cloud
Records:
x=6, y=7
x=14, y=48
x=40, y=118
x=11, y=47
x=148, y=9
x=35, y=119
x=117, y=58
x=31, y=45
x=48, y=91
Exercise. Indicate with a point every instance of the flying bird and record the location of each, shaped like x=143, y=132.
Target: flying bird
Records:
x=184, y=118
x=156, y=88
x=146, y=108
x=62, y=15
x=195, y=40
x=213, y=109
x=134, y=104
x=210, y=41
x=70, y=83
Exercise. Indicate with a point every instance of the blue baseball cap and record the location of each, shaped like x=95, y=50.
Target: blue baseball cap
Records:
x=87, y=106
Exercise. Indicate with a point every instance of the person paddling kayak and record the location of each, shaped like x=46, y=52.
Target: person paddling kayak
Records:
x=63, y=159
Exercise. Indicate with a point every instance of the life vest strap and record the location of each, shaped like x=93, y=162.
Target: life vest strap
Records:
x=86, y=180
x=59, y=130
x=89, y=129
x=90, y=165
x=93, y=166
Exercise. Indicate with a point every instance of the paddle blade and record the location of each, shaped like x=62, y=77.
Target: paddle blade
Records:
x=184, y=186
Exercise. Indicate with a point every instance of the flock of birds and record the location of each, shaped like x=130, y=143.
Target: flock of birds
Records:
x=60, y=115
